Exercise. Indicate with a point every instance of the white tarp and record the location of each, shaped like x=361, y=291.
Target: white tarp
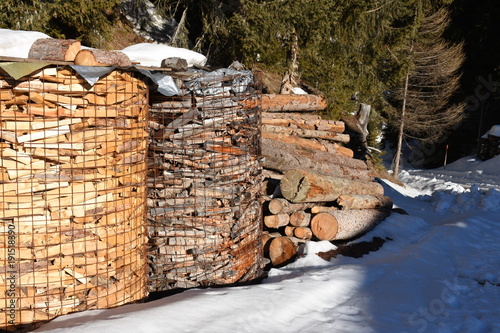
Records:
x=148, y=54
x=17, y=43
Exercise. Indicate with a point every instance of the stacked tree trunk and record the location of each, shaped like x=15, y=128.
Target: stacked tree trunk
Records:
x=72, y=193
x=204, y=184
x=316, y=190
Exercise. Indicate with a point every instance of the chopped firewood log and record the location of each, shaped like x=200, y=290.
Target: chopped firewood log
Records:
x=346, y=224
x=301, y=186
x=54, y=49
x=282, y=250
x=300, y=219
x=98, y=57
x=303, y=233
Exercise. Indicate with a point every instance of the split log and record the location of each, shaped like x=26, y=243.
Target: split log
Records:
x=97, y=57
x=346, y=224
x=282, y=250
x=273, y=102
x=301, y=186
x=306, y=133
x=349, y=201
x=280, y=206
x=54, y=49
x=285, y=157
x=300, y=219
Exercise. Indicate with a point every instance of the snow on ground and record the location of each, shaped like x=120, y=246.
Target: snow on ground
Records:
x=437, y=272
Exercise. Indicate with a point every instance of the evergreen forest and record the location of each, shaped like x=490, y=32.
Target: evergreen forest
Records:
x=428, y=68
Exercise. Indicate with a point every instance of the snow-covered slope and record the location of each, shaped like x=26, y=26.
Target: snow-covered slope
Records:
x=436, y=272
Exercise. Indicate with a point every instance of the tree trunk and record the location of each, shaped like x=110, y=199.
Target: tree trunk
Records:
x=330, y=147
x=349, y=201
x=275, y=103
x=54, y=49
x=346, y=224
x=305, y=133
x=281, y=206
x=97, y=57
x=303, y=121
x=282, y=250
x=399, y=148
x=285, y=157
x=302, y=186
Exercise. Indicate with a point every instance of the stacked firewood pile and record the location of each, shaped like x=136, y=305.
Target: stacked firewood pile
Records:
x=72, y=193
x=315, y=189
x=204, y=208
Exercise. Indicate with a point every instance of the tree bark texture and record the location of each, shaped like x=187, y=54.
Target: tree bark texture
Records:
x=302, y=186
x=284, y=157
x=97, y=57
x=340, y=225
x=287, y=103
x=54, y=49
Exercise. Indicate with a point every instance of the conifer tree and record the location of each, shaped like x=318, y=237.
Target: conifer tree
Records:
x=431, y=80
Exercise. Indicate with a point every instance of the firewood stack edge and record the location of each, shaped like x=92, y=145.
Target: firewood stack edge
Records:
x=72, y=193
x=314, y=188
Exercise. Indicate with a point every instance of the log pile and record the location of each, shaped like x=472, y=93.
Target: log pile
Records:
x=204, y=208
x=315, y=189
x=72, y=193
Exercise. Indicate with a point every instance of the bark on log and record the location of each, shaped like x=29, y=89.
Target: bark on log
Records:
x=301, y=186
x=281, y=205
x=349, y=201
x=326, y=157
x=346, y=224
x=285, y=157
x=273, y=102
x=306, y=133
x=298, y=120
x=54, y=49
x=97, y=57
x=322, y=209
x=282, y=250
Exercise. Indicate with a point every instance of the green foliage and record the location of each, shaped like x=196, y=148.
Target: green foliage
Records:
x=89, y=21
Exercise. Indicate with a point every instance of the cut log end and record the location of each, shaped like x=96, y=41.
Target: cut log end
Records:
x=324, y=226
x=282, y=250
